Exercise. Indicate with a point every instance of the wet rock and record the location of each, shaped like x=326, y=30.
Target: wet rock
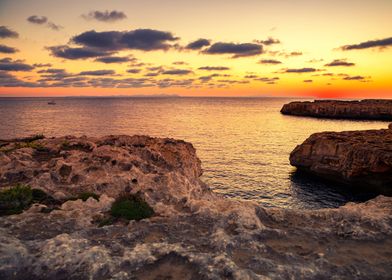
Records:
x=371, y=109
x=359, y=158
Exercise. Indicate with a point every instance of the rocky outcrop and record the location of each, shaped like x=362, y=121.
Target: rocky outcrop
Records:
x=370, y=109
x=359, y=158
x=194, y=234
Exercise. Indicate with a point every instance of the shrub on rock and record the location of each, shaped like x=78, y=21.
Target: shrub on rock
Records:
x=131, y=207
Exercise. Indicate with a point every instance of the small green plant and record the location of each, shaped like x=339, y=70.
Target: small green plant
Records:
x=131, y=207
x=34, y=137
x=106, y=221
x=34, y=145
x=65, y=145
x=15, y=200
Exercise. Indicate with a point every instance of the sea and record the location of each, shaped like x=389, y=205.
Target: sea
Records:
x=244, y=143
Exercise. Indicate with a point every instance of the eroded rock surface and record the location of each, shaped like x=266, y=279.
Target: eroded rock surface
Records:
x=359, y=158
x=370, y=109
x=195, y=234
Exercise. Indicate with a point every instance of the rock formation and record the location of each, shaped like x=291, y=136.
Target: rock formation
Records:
x=370, y=109
x=359, y=158
x=194, y=234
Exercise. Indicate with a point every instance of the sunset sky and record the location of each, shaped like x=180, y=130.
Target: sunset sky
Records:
x=196, y=48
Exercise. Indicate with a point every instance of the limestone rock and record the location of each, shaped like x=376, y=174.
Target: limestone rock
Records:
x=195, y=233
x=370, y=109
x=359, y=158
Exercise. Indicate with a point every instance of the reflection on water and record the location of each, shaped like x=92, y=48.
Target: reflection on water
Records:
x=310, y=192
x=244, y=143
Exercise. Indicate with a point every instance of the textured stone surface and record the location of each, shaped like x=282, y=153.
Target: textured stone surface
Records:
x=195, y=233
x=365, y=109
x=360, y=158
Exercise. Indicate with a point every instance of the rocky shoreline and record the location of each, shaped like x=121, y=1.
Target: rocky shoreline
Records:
x=368, y=109
x=193, y=233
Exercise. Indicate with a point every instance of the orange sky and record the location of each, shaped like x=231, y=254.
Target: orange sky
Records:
x=299, y=42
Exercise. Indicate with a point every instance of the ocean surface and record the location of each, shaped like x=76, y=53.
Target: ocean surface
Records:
x=244, y=143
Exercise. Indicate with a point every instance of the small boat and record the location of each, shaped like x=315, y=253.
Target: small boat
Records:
x=51, y=103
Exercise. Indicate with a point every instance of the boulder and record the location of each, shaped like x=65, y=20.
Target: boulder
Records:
x=359, y=158
x=368, y=109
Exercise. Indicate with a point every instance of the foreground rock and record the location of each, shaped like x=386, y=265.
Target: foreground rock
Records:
x=359, y=158
x=195, y=234
x=377, y=109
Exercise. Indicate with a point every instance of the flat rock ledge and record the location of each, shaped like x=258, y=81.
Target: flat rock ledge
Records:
x=361, y=159
x=194, y=234
x=368, y=109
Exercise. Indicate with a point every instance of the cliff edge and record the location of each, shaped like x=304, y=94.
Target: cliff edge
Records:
x=369, y=109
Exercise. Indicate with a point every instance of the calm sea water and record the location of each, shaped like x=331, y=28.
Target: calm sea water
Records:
x=244, y=143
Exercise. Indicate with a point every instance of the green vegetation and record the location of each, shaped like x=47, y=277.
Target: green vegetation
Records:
x=28, y=142
x=65, y=145
x=16, y=199
x=105, y=221
x=33, y=145
x=131, y=207
x=33, y=138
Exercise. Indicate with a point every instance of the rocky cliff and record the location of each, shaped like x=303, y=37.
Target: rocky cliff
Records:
x=194, y=233
x=359, y=158
x=376, y=109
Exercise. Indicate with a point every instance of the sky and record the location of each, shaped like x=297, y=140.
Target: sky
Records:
x=309, y=48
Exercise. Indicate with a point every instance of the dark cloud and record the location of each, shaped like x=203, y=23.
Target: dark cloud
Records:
x=54, y=26
x=293, y=54
x=42, y=65
x=251, y=77
x=7, y=64
x=37, y=19
x=133, y=71
x=9, y=80
x=198, y=44
x=52, y=71
x=354, y=78
x=308, y=81
x=268, y=80
x=214, y=68
x=114, y=59
x=238, y=50
x=76, y=53
x=177, y=72
x=97, y=73
x=175, y=83
x=6, y=49
x=151, y=74
x=301, y=70
x=179, y=63
x=314, y=60
x=139, y=39
x=43, y=20
x=205, y=79
x=5, y=32
x=106, y=16
x=269, y=41
x=269, y=61
x=340, y=62
x=383, y=43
